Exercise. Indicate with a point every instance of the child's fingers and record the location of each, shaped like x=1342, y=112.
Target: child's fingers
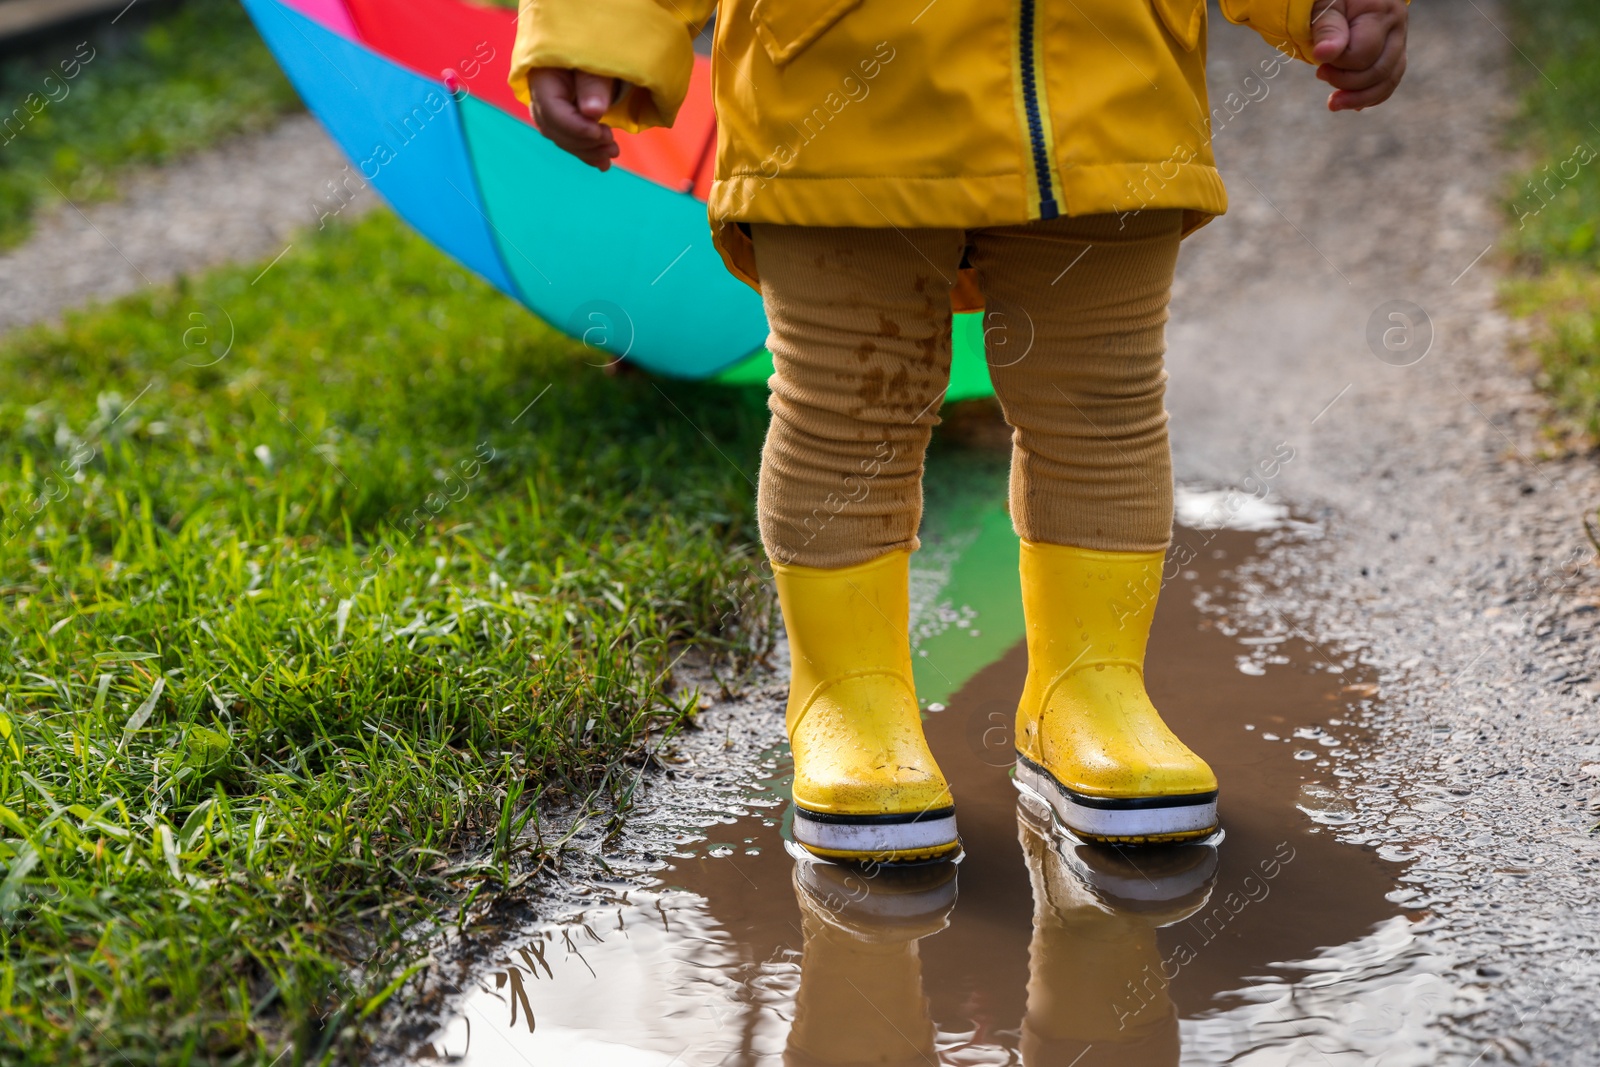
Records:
x=1330, y=33
x=1343, y=101
x=546, y=85
x=1383, y=69
x=1348, y=100
x=1368, y=69
x=556, y=114
x=594, y=93
x=555, y=107
x=1368, y=37
x=596, y=153
x=600, y=157
x=1354, y=80
x=575, y=137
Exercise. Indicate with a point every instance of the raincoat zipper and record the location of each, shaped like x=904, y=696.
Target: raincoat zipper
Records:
x=1035, y=109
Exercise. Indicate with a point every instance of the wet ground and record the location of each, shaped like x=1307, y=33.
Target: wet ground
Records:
x=1034, y=948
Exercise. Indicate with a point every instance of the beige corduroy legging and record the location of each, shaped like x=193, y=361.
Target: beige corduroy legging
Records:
x=1074, y=326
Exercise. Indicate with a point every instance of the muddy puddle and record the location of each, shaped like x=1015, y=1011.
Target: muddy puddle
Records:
x=1280, y=944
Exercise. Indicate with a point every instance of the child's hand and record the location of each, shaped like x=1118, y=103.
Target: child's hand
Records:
x=1361, y=46
x=567, y=105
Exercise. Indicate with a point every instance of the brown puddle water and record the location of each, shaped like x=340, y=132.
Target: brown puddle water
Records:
x=1278, y=945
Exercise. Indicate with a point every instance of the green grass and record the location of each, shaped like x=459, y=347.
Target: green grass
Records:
x=1564, y=302
x=1554, y=208
x=74, y=115
x=297, y=632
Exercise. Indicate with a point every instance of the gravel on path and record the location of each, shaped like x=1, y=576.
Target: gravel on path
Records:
x=239, y=201
x=1453, y=554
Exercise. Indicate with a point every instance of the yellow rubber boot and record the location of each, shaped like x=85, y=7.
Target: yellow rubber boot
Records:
x=866, y=786
x=1089, y=742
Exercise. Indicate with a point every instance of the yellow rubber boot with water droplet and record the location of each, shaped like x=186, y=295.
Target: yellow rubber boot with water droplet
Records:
x=1089, y=741
x=866, y=787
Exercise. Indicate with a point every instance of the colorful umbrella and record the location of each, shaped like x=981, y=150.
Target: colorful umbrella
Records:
x=415, y=93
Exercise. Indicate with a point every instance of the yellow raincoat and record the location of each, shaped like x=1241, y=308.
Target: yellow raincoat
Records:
x=942, y=113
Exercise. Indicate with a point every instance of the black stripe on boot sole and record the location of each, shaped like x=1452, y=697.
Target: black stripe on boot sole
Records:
x=893, y=818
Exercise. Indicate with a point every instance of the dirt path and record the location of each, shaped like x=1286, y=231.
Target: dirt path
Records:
x=1453, y=557
x=236, y=202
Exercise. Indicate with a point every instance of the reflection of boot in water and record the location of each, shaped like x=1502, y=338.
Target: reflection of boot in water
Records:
x=1097, y=983
x=860, y=999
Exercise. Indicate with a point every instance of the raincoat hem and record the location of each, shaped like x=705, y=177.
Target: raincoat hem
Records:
x=950, y=203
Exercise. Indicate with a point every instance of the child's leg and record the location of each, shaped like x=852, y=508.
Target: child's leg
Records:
x=861, y=347
x=1086, y=299
x=1091, y=495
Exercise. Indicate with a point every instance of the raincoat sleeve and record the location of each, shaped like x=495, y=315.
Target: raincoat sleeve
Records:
x=1286, y=24
x=647, y=44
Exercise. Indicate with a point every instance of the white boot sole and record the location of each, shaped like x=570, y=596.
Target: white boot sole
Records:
x=914, y=835
x=1130, y=820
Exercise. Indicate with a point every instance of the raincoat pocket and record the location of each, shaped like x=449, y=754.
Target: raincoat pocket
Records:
x=787, y=27
x=1184, y=19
